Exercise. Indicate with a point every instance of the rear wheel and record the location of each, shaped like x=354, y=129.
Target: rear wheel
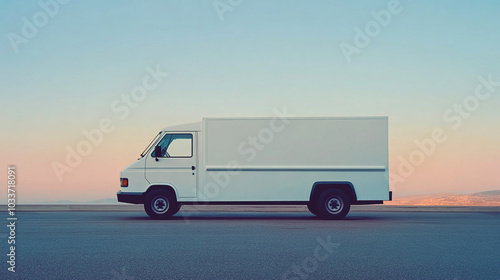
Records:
x=160, y=204
x=333, y=205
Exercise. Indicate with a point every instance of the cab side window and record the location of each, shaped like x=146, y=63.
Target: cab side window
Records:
x=176, y=146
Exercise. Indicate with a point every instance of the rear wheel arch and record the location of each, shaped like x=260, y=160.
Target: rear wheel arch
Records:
x=319, y=187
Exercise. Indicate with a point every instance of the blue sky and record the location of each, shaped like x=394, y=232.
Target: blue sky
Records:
x=262, y=55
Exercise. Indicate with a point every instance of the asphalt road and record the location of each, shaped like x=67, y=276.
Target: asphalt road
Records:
x=218, y=245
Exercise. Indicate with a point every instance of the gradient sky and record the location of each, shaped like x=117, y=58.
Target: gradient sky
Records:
x=259, y=56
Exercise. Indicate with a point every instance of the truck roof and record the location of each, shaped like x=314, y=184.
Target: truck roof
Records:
x=194, y=126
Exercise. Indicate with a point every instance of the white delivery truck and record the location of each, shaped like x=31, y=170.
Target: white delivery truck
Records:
x=327, y=164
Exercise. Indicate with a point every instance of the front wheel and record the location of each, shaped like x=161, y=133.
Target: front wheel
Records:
x=160, y=204
x=333, y=205
x=312, y=208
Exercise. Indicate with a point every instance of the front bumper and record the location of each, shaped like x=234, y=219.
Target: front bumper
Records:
x=130, y=197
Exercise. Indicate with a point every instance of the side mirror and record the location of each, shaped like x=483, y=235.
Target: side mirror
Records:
x=157, y=152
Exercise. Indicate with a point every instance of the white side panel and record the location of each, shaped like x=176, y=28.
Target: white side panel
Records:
x=297, y=142
x=268, y=159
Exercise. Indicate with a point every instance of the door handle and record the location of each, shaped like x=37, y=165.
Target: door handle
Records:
x=192, y=167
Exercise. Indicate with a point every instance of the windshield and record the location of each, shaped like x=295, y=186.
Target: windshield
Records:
x=150, y=144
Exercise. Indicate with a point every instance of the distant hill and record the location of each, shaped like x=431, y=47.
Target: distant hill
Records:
x=104, y=201
x=497, y=192
x=62, y=202
x=487, y=198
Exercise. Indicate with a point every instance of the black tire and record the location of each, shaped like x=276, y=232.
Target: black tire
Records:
x=333, y=205
x=176, y=209
x=312, y=208
x=160, y=204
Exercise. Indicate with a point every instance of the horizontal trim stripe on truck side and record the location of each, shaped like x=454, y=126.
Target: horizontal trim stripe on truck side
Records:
x=294, y=168
x=170, y=167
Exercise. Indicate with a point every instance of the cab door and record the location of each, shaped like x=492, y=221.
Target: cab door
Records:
x=175, y=164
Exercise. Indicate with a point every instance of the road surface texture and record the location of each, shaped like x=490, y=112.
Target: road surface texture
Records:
x=255, y=245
